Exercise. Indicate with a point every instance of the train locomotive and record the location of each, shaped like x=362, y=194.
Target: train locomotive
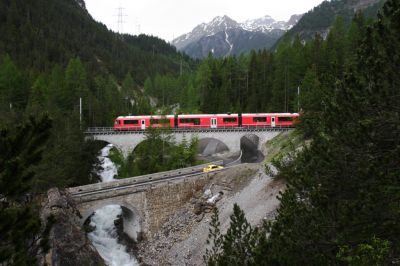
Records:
x=214, y=121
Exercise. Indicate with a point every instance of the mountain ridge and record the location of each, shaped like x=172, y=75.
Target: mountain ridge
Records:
x=319, y=19
x=206, y=37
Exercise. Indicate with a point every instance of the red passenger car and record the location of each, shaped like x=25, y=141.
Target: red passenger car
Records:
x=227, y=120
x=286, y=119
x=208, y=121
x=142, y=122
x=269, y=120
x=194, y=121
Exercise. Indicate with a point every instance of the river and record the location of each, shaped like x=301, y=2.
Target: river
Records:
x=105, y=236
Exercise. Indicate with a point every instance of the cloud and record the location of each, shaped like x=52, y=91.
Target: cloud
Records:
x=171, y=18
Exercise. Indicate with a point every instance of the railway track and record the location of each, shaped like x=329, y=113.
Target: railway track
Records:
x=112, y=131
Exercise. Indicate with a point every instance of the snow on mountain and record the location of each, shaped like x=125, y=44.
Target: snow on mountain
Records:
x=225, y=25
x=218, y=24
x=268, y=24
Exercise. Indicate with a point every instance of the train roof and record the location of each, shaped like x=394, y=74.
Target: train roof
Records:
x=145, y=116
x=270, y=114
x=205, y=115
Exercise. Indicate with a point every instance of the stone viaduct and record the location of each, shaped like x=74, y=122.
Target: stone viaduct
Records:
x=148, y=200
x=210, y=140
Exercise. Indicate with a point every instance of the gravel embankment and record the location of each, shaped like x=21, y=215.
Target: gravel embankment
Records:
x=182, y=240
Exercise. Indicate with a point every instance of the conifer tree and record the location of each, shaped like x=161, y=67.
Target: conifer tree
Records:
x=75, y=85
x=341, y=201
x=212, y=255
x=38, y=99
x=342, y=188
x=237, y=246
x=13, y=87
x=20, y=150
x=204, y=85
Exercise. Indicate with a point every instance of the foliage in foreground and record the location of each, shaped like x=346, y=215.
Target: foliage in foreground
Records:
x=20, y=150
x=236, y=246
x=341, y=203
x=157, y=153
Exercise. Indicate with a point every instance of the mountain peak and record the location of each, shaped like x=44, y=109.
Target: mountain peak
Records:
x=224, y=30
x=268, y=24
x=217, y=24
x=222, y=23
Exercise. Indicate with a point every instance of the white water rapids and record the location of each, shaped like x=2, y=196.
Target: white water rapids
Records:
x=105, y=237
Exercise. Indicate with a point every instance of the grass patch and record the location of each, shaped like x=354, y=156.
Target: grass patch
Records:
x=280, y=148
x=282, y=144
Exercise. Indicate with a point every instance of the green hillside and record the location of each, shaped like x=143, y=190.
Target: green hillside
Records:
x=38, y=34
x=321, y=18
x=341, y=203
x=52, y=53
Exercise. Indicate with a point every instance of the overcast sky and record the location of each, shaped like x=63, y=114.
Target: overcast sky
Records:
x=169, y=19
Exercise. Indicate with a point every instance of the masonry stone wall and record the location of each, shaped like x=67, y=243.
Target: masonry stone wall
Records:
x=146, y=208
x=162, y=201
x=127, y=142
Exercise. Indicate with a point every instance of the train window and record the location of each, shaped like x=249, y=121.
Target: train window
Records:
x=259, y=119
x=117, y=122
x=131, y=122
x=229, y=120
x=159, y=121
x=285, y=118
x=195, y=121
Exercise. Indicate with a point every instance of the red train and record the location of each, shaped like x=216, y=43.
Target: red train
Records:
x=206, y=121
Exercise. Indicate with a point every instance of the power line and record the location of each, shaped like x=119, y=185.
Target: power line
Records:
x=120, y=19
x=138, y=29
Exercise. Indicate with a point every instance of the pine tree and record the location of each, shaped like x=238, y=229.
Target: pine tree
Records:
x=341, y=201
x=13, y=87
x=237, y=246
x=75, y=86
x=39, y=97
x=343, y=187
x=20, y=150
x=254, y=84
x=205, y=85
x=212, y=256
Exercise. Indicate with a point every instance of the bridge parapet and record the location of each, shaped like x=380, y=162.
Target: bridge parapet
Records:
x=139, y=179
x=112, y=131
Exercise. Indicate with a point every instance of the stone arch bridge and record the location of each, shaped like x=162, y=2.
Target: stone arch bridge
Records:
x=127, y=141
x=148, y=200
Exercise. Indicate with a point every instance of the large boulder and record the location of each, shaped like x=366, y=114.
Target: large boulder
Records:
x=69, y=244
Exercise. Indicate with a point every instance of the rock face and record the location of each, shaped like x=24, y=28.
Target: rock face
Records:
x=69, y=245
x=231, y=42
